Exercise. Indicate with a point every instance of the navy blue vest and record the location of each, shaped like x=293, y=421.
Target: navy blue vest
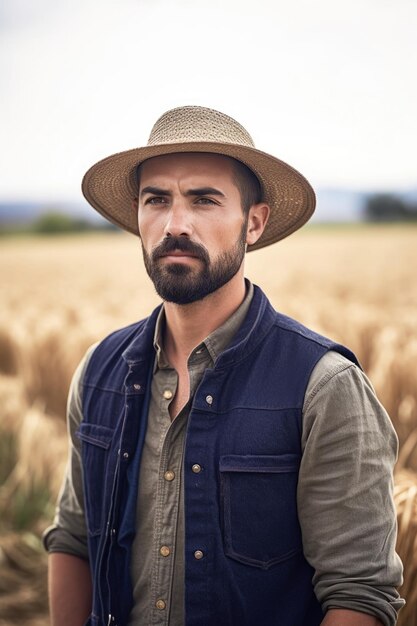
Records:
x=244, y=431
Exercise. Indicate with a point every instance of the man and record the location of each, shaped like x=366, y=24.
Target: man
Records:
x=227, y=466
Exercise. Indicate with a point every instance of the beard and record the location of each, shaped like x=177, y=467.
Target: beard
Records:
x=182, y=284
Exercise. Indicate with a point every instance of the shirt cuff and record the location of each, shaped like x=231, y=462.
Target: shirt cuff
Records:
x=56, y=539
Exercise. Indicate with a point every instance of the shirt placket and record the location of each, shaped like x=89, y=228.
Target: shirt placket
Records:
x=167, y=504
x=169, y=517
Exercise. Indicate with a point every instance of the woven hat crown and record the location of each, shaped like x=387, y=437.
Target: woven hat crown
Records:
x=192, y=123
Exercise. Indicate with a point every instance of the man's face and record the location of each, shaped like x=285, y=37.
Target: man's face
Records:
x=191, y=223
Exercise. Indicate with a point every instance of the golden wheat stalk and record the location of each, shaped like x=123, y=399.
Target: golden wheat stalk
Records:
x=405, y=494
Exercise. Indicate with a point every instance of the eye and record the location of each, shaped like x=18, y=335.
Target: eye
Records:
x=205, y=200
x=154, y=200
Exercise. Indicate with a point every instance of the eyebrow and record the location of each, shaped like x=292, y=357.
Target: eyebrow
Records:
x=205, y=191
x=156, y=191
x=201, y=191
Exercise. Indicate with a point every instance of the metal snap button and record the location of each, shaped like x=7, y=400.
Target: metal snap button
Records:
x=160, y=604
x=164, y=551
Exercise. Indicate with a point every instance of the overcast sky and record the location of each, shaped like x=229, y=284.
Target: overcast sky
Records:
x=329, y=86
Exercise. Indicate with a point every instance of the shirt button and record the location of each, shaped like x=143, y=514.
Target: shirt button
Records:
x=164, y=551
x=196, y=468
x=169, y=475
x=160, y=604
x=198, y=554
x=167, y=394
x=136, y=386
x=209, y=399
x=125, y=455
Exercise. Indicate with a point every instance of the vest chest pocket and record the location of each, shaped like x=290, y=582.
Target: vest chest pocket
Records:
x=96, y=442
x=259, y=508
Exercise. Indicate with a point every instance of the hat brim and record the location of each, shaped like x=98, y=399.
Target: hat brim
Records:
x=110, y=186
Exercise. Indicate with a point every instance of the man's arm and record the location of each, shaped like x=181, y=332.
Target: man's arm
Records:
x=70, y=586
x=345, y=501
x=70, y=590
x=343, y=617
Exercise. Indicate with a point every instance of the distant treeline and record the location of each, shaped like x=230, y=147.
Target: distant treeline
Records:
x=386, y=207
x=55, y=222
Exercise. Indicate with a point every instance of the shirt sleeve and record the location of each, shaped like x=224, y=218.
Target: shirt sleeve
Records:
x=68, y=532
x=345, y=492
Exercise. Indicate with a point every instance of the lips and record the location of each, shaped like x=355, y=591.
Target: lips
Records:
x=179, y=253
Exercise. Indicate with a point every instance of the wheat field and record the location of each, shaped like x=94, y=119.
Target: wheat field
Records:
x=355, y=284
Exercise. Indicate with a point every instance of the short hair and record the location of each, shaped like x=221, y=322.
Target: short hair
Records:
x=248, y=185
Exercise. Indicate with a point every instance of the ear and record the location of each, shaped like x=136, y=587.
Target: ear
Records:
x=257, y=219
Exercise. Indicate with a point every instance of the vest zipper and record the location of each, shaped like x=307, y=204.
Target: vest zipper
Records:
x=106, y=539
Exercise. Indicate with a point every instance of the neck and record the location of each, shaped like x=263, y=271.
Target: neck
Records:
x=188, y=325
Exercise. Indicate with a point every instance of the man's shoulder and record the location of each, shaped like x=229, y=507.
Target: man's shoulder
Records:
x=119, y=336
x=120, y=347
x=307, y=335
x=295, y=340
x=291, y=325
x=284, y=322
x=122, y=339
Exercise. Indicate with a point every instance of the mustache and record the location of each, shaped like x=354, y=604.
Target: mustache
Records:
x=171, y=244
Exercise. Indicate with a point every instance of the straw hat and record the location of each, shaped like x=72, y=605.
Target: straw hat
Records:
x=110, y=185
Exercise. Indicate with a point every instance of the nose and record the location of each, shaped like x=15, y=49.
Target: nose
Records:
x=178, y=222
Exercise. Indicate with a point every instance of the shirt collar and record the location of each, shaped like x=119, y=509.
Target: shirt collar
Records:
x=215, y=343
